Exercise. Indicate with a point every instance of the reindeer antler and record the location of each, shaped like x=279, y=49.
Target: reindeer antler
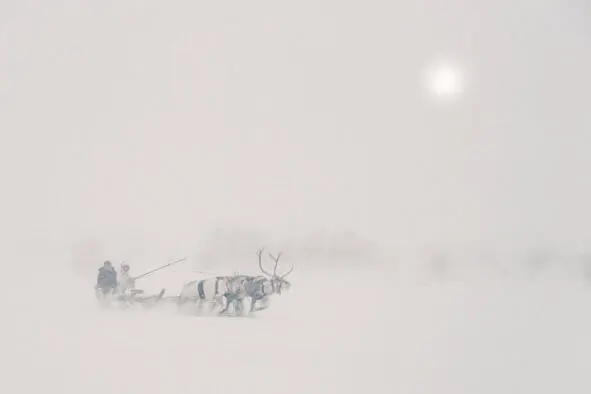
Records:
x=276, y=259
x=260, y=253
x=288, y=272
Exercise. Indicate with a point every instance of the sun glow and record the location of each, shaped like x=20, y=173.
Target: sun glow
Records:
x=444, y=81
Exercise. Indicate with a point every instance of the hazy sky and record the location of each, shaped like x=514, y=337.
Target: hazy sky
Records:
x=168, y=119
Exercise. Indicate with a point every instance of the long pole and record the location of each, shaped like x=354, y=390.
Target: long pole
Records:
x=159, y=268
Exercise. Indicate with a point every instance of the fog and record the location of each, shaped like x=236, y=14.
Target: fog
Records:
x=147, y=131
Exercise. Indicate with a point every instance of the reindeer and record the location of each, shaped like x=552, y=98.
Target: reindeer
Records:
x=237, y=293
x=259, y=288
x=235, y=289
x=219, y=291
x=210, y=290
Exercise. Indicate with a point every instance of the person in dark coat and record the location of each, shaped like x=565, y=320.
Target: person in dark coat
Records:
x=107, y=278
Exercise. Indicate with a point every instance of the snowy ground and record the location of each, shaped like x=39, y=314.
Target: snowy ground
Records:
x=348, y=331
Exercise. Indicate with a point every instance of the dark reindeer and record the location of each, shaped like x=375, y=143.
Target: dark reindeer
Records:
x=260, y=288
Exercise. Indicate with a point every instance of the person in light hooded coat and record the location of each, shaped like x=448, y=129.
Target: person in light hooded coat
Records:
x=126, y=281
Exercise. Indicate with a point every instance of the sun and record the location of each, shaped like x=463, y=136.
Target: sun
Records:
x=444, y=81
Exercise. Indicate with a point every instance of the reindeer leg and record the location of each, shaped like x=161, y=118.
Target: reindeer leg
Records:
x=235, y=306
x=239, y=307
x=199, y=306
x=218, y=301
x=181, y=302
x=226, y=307
x=263, y=304
x=213, y=304
x=253, y=303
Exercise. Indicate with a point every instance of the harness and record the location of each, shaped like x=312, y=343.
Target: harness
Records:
x=200, y=289
x=260, y=288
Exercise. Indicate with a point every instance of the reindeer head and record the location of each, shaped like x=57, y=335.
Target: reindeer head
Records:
x=278, y=282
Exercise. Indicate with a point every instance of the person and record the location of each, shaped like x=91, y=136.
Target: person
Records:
x=126, y=281
x=126, y=291
x=106, y=280
x=129, y=295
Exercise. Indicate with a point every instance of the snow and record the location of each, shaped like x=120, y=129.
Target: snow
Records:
x=146, y=131
x=337, y=331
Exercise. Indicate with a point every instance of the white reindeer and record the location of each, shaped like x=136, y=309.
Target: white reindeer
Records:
x=220, y=291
